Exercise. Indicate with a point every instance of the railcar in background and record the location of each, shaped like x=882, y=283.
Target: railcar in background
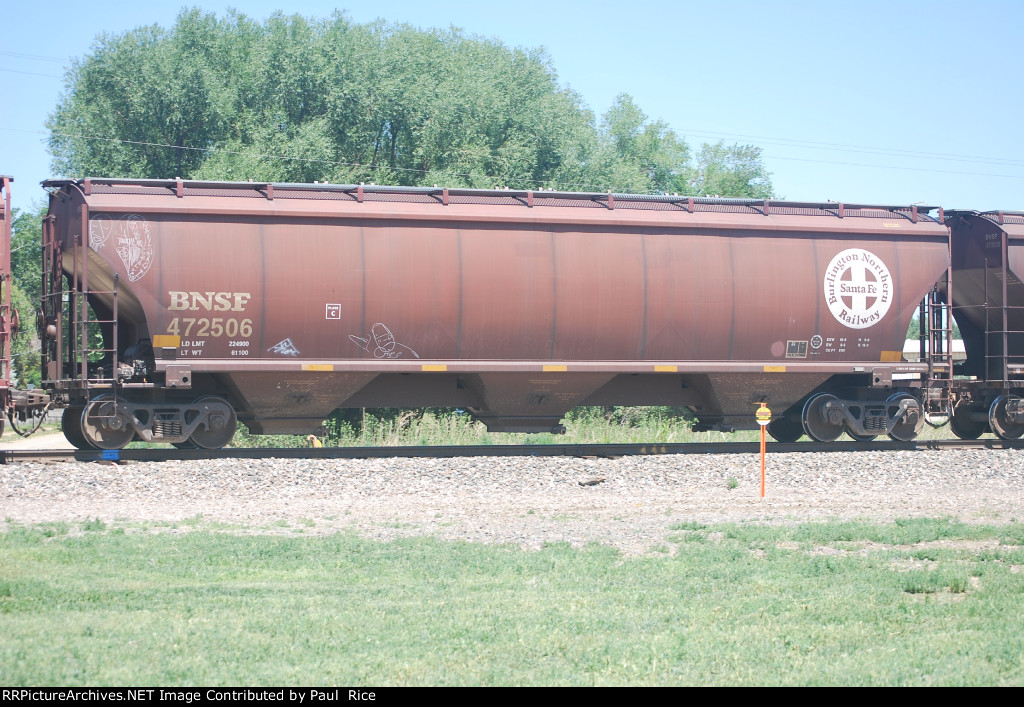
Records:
x=6, y=313
x=988, y=304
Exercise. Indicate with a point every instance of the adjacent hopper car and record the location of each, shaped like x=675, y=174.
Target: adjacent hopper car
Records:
x=987, y=252
x=276, y=304
x=6, y=312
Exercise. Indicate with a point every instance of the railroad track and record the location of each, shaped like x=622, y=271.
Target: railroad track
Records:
x=495, y=450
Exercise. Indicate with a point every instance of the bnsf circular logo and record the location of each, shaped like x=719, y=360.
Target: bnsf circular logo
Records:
x=858, y=288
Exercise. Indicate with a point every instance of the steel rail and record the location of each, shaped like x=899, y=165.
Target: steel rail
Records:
x=495, y=450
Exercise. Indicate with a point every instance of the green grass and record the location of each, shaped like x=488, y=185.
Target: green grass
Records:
x=375, y=428
x=747, y=604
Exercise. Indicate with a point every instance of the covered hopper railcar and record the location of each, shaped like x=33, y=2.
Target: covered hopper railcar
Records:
x=275, y=304
x=988, y=305
x=6, y=313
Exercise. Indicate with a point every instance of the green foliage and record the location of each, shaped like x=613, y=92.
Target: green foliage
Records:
x=443, y=426
x=904, y=531
x=94, y=526
x=688, y=525
x=636, y=155
x=26, y=252
x=727, y=170
x=922, y=581
x=914, y=331
x=636, y=416
x=26, y=289
x=25, y=347
x=302, y=100
x=139, y=91
x=228, y=606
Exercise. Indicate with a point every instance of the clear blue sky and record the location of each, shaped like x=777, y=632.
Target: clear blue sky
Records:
x=861, y=102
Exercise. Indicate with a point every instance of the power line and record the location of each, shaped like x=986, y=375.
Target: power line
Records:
x=911, y=169
x=768, y=139
x=841, y=147
x=358, y=165
x=339, y=163
x=31, y=73
x=38, y=57
x=421, y=171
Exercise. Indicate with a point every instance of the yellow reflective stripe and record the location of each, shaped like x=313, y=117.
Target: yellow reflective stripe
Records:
x=164, y=341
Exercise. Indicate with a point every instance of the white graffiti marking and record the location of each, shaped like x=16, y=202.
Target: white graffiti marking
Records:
x=100, y=229
x=285, y=348
x=383, y=343
x=135, y=246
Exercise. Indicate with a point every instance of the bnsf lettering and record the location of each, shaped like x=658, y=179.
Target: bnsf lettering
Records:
x=210, y=301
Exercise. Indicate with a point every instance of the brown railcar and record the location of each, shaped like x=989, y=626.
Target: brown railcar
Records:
x=26, y=409
x=280, y=303
x=6, y=313
x=988, y=304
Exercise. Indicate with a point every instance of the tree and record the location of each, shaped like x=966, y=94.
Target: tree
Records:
x=727, y=170
x=137, y=94
x=914, y=331
x=636, y=155
x=26, y=289
x=297, y=99
x=26, y=251
x=25, y=346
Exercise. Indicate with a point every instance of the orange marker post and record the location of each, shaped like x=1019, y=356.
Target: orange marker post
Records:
x=764, y=416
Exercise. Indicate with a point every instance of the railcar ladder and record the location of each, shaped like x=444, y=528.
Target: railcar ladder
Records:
x=52, y=304
x=936, y=340
x=1000, y=364
x=97, y=378
x=69, y=359
x=6, y=332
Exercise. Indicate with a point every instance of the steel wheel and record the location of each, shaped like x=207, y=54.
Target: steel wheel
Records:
x=787, y=428
x=71, y=425
x=106, y=423
x=1000, y=422
x=219, y=424
x=961, y=424
x=905, y=430
x=816, y=420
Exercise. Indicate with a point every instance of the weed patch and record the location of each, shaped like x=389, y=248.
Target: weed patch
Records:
x=94, y=526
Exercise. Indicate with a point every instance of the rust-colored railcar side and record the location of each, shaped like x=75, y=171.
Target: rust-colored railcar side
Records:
x=988, y=305
x=6, y=313
x=280, y=303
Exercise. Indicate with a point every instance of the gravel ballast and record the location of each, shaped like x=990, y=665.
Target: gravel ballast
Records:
x=630, y=503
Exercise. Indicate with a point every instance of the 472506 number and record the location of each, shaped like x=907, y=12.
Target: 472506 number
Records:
x=215, y=327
